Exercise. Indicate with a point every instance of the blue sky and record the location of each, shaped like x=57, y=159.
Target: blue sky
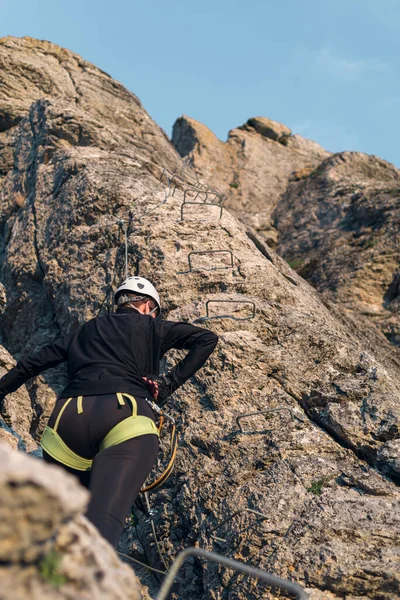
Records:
x=329, y=69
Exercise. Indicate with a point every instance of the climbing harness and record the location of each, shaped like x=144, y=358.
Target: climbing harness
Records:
x=129, y=428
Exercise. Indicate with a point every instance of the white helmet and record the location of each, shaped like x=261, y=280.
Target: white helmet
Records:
x=141, y=286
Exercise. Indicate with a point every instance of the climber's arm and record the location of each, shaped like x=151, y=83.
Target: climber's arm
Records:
x=200, y=343
x=49, y=356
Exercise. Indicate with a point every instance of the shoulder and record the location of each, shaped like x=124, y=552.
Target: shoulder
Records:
x=182, y=328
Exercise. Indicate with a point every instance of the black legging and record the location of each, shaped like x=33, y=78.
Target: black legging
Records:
x=118, y=472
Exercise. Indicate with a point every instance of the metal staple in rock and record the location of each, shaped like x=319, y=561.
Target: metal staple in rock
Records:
x=201, y=204
x=208, y=317
x=262, y=412
x=172, y=179
x=268, y=578
x=207, y=192
x=203, y=252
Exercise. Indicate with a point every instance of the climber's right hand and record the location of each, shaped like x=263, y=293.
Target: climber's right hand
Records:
x=161, y=388
x=153, y=387
x=165, y=387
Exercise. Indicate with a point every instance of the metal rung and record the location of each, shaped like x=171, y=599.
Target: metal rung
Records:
x=199, y=192
x=262, y=412
x=238, y=512
x=191, y=185
x=184, y=178
x=208, y=318
x=171, y=183
x=268, y=578
x=202, y=204
x=202, y=252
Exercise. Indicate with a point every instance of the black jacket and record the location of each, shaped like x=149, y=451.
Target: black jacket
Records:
x=112, y=353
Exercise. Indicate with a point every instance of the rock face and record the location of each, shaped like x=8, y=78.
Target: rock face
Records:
x=340, y=229
x=323, y=468
x=252, y=169
x=48, y=550
x=98, y=120
x=18, y=412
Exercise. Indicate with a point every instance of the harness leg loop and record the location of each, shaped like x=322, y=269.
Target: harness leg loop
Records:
x=79, y=406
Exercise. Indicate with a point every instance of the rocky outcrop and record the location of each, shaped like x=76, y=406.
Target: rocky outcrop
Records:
x=323, y=468
x=335, y=219
x=252, y=168
x=48, y=549
x=339, y=228
x=34, y=70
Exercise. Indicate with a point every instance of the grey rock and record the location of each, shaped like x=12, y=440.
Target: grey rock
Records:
x=269, y=129
x=17, y=411
x=325, y=479
x=252, y=168
x=3, y=298
x=36, y=500
x=340, y=228
x=390, y=454
x=7, y=435
x=336, y=224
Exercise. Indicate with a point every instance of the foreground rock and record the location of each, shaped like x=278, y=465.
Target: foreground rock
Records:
x=252, y=168
x=325, y=479
x=47, y=549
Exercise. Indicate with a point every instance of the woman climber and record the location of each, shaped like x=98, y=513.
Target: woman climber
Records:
x=102, y=428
